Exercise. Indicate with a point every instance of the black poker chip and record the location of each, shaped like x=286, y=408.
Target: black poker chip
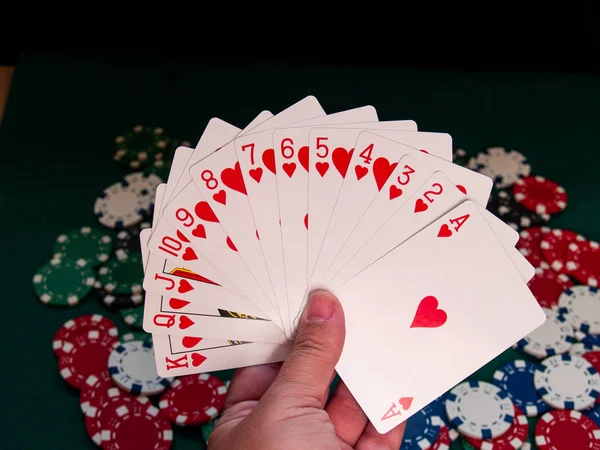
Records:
x=128, y=239
x=504, y=206
x=114, y=301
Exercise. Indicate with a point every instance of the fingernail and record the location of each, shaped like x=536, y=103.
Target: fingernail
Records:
x=320, y=307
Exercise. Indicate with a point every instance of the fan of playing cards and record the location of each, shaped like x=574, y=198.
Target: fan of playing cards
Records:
x=251, y=221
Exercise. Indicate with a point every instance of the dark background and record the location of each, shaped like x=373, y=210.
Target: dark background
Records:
x=65, y=109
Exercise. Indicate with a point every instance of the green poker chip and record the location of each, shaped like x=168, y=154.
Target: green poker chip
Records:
x=135, y=336
x=141, y=146
x=122, y=274
x=64, y=281
x=459, y=157
x=466, y=445
x=208, y=428
x=90, y=244
x=134, y=317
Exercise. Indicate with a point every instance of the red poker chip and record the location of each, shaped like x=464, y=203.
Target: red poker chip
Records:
x=194, y=399
x=547, y=285
x=565, y=429
x=81, y=324
x=443, y=440
x=529, y=244
x=554, y=247
x=104, y=401
x=133, y=425
x=85, y=354
x=594, y=359
x=540, y=195
x=92, y=386
x=513, y=439
x=583, y=262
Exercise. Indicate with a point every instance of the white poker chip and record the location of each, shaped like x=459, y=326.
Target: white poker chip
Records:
x=581, y=307
x=479, y=409
x=503, y=166
x=123, y=204
x=133, y=368
x=554, y=337
x=567, y=382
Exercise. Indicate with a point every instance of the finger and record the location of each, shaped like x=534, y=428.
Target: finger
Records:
x=250, y=383
x=306, y=373
x=347, y=416
x=371, y=439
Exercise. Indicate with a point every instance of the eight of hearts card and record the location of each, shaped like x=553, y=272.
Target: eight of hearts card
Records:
x=252, y=220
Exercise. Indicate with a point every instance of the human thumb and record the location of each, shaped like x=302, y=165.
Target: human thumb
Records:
x=309, y=368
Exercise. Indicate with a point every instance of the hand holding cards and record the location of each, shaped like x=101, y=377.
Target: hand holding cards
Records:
x=401, y=236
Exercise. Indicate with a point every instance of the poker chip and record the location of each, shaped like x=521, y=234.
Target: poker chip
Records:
x=81, y=324
x=137, y=148
x=145, y=184
x=553, y=337
x=529, y=244
x=133, y=425
x=91, y=388
x=103, y=406
x=547, y=286
x=63, y=281
x=581, y=348
x=554, y=246
x=540, y=195
x=116, y=301
x=133, y=368
x=207, y=429
x=503, y=205
x=128, y=239
x=459, y=157
x=567, y=382
x=583, y=262
x=90, y=244
x=422, y=429
x=134, y=317
x=593, y=358
x=122, y=275
x=479, y=409
x=443, y=440
x=123, y=205
x=566, y=430
x=516, y=378
x=85, y=354
x=194, y=399
x=503, y=166
x=135, y=336
x=514, y=438
x=581, y=307
x=594, y=413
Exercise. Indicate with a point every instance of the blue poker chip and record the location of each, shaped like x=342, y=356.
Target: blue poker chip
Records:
x=516, y=378
x=594, y=413
x=479, y=409
x=422, y=428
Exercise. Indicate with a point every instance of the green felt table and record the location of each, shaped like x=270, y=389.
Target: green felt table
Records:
x=57, y=141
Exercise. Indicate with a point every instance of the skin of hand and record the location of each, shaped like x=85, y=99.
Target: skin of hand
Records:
x=283, y=406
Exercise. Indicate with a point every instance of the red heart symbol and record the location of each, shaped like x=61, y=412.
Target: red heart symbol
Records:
x=190, y=341
x=322, y=168
x=405, y=402
x=177, y=303
x=382, y=169
x=184, y=286
x=197, y=359
x=268, y=159
x=420, y=206
x=289, y=168
x=256, y=174
x=341, y=159
x=182, y=237
x=230, y=244
x=303, y=157
x=233, y=179
x=205, y=212
x=445, y=231
x=461, y=188
x=199, y=231
x=395, y=192
x=360, y=171
x=428, y=314
x=220, y=197
x=185, y=322
x=306, y=221
x=189, y=254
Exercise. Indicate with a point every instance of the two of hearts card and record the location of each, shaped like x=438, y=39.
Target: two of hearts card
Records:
x=251, y=221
